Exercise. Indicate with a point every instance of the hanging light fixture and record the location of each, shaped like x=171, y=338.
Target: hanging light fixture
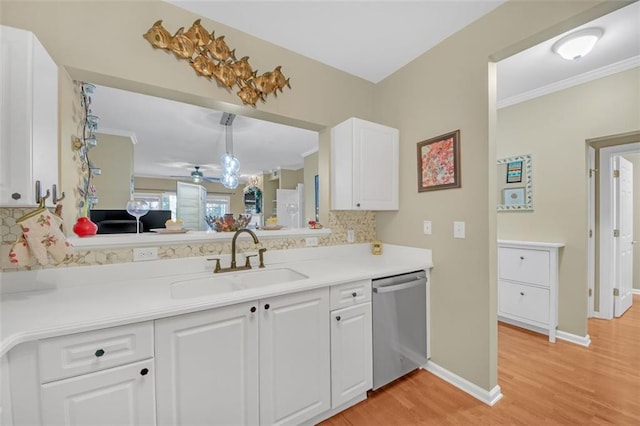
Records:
x=230, y=164
x=577, y=44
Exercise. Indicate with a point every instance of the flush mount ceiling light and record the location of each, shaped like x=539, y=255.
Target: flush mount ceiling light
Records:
x=577, y=44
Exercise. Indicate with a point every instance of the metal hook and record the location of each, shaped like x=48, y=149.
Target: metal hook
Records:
x=54, y=197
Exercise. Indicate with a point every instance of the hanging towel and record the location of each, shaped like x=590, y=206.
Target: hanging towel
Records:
x=43, y=236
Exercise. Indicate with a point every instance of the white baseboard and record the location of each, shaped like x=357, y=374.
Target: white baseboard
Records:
x=488, y=397
x=574, y=338
x=635, y=290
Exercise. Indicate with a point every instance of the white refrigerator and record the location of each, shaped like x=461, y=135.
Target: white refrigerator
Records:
x=286, y=197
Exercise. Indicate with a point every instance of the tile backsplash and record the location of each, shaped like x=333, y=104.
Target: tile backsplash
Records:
x=362, y=222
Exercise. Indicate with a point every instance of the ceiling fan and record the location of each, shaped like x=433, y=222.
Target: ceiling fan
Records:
x=197, y=176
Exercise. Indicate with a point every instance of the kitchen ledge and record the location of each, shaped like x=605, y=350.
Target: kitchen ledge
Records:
x=54, y=302
x=148, y=239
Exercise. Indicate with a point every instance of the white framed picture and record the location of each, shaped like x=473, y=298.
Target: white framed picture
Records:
x=513, y=196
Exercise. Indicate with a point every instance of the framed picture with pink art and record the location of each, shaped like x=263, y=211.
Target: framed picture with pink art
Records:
x=439, y=162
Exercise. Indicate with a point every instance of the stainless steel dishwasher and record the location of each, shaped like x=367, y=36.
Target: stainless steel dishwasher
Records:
x=399, y=305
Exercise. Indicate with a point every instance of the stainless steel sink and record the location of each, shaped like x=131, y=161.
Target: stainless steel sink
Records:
x=226, y=283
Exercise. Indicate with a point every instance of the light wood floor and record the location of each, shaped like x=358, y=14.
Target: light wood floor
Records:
x=542, y=384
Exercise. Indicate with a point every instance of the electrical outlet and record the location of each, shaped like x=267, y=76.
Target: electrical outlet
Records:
x=458, y=230
x=311, y=241
x=351, y=236
x=426, y=227
x=145, y=253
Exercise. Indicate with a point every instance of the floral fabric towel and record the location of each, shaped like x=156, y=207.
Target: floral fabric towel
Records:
x=43, y=236
x=19, y=254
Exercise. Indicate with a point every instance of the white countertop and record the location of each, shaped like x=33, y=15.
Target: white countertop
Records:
x=70, y=300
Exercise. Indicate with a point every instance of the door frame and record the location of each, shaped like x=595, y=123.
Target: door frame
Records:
x=591, y=223
x=605, y=308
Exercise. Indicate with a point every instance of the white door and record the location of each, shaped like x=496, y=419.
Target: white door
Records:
x=351, y=353
x=375, y=169
x=207, y=366
x=591, y=218
x=623, y=244
x=113, y=397
x=294, y=357
x=191, y=206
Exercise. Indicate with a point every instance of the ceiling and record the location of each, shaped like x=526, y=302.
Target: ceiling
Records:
x=173, y=137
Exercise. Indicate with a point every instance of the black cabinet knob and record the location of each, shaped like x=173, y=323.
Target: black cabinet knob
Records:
x=338, y=318
x=358, y=205
x=253, y=309
x=16, y=195
x=144, y=371
x=266, y=306
x=354, y=294
x=522, y=293
x=521, y=257
x=99, y=353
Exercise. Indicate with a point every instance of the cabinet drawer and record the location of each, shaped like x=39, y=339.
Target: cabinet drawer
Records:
x=67, y=356
x=524, y=265
x=526, y=303
x=350, y=294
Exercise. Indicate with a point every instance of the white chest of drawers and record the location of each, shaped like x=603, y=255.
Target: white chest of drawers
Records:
x=528, y=285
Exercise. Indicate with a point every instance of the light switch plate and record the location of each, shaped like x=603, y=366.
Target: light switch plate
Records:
x=311, y=241
x=426, y=227
x=351, y=236
x=458, y=230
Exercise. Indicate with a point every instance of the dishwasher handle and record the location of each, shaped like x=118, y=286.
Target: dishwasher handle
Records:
x=402, y=286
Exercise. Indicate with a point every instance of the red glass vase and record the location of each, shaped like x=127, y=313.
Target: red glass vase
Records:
x=84, y=227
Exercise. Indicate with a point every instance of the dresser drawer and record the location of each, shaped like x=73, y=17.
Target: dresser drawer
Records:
x=526, y=303
x=75, y=354
x=350, y=294
x=524, y=265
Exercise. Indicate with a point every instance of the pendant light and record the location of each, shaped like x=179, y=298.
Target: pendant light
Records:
x=230, y=164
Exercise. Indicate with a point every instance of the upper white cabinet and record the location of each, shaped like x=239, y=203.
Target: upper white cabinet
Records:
x=28, y=118
x=364, y=166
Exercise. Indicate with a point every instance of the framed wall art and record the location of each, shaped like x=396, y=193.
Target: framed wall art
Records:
x=439, y=162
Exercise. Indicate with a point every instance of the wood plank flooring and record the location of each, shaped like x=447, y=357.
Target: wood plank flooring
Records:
x=542, y=384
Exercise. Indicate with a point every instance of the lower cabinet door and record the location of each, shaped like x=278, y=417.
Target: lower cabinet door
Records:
x=294, y=357
x=351, y=353
x=207, y=366
x=117, y=396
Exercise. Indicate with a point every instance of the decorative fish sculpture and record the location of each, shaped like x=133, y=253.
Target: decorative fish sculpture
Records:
x=198, y=35
x=224, y=74
x=264, y=83
x=243, y=69
x=279, y=80
x=249, y=95
x=202, y=65
x=158, y=36
x=182, y=45
x=219, y=49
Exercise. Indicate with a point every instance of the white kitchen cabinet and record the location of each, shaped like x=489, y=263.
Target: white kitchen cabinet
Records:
x=261, y=362
x=29, y=118
x=351, y=353
x=294, y=357
x=117, y=396
x=5, y=392
x=364, y=166
x=528, y=285
x=208, y=367
x=100, y=377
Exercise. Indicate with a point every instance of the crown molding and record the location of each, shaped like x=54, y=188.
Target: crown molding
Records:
x=586, y=77
x=119, y=132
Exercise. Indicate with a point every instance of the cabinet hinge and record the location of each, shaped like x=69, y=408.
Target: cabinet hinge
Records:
x=616, y=292
x=616, y=232
x=616, y=173
x=592, y=172
x=590, y=233
x=590, y=292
